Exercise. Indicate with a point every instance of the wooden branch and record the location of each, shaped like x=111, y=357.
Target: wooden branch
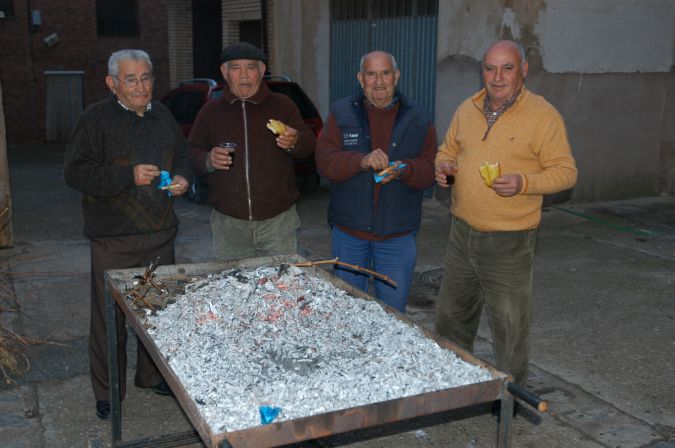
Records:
x=28, y=341
x=351, y=266
x=6, y=233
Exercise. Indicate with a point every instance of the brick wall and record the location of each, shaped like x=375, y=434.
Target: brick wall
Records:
x=24, y=57
x=235, y=11
x=15, y=73
x=180, y=40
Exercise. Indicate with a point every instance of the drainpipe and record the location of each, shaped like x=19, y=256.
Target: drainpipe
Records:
x=263, y=23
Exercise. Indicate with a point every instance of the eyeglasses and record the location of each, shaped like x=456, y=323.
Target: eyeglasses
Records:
x=131, y=83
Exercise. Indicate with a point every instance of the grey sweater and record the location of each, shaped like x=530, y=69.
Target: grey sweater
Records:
x=106, y=144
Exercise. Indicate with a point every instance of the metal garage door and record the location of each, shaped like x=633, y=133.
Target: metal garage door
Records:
x=407, y=29
x=64, y=103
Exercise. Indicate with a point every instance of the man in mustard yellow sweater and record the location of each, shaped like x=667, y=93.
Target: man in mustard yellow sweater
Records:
x=494, y=226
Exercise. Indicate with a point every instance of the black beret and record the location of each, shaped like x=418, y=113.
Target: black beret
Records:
x=243, y=50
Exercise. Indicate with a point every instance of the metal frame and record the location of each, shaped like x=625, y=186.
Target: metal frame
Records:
x=297, y=430
x=169, y=440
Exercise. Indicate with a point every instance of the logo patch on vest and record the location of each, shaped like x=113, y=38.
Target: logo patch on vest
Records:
x=350, y=138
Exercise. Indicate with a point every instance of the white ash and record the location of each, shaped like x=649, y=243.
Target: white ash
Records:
x=281, y=337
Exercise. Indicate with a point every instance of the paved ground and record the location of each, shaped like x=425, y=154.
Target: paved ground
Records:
x=603, y=350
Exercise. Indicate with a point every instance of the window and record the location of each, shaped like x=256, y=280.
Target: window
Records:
x=117, y=18
x=381, y=9
x=251, y=31
x=6, y=8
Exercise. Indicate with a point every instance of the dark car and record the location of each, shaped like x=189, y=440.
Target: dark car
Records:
x=185, y=101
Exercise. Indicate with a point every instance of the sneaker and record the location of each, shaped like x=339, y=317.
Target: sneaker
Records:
x=162, y=388
x=103, y=409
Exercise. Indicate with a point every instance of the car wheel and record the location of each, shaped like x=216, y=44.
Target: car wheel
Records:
x=197, y=192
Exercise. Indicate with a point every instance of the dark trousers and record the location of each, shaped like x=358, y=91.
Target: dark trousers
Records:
x=492, y=269
x=121, y=252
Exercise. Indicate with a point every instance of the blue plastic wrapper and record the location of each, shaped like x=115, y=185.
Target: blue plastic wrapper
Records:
x=164, y=181
x=378, y=178
x=268, y=414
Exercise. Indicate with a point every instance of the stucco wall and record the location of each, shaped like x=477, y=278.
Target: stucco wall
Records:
x=302, y=46
x=606, y=65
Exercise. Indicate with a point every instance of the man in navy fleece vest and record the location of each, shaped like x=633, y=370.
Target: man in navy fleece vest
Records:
x=374, y=222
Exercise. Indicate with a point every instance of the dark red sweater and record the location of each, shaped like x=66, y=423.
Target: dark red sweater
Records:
x=261, y=182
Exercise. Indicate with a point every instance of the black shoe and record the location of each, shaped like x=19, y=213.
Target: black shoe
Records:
x=162, y=389
x=103, y=409
x=497, y=409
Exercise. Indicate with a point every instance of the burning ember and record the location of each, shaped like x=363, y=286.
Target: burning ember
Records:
x=280, y=337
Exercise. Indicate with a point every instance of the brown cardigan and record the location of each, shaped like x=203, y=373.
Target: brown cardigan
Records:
x=261, y=182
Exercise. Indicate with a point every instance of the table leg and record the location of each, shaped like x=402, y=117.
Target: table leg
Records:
x=504, y=438
x=113, y=363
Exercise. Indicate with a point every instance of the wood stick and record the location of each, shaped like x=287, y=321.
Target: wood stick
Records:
x=528, y=397
x=29, y=341
x=352, y=266
x=6, y=233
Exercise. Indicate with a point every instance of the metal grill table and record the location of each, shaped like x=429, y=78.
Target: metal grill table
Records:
x=118, y=282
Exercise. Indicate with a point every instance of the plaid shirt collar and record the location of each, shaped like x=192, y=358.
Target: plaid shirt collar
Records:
x=491, y=116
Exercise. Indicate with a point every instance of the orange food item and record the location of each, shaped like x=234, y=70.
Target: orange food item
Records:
x=277, y=127
x=490, y=172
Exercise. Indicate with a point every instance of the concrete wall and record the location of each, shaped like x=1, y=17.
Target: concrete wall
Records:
x=606, y=65
x=302, y=46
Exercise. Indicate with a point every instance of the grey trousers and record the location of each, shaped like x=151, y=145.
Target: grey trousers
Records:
x=121, y=252
x=239, y=238
x=492, y=269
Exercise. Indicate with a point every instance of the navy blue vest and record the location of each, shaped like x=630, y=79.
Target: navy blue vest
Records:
x=399, y=208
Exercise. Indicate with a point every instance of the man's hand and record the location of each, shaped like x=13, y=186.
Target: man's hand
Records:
x=179, y=185
x=221, y=158
x=444, y=172
x=375, y=160
x=394, y=174
x=508, y=185
x=288, y=139
x=144, y=174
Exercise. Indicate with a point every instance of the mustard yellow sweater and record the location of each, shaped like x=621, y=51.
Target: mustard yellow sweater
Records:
x=529, y=139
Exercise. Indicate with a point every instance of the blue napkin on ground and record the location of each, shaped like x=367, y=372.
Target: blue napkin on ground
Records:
x=268, y=414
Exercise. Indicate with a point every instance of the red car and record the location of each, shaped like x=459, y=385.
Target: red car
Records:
x=185, y=101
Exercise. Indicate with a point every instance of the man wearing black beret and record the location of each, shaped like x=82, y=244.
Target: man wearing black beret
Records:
x=250, y=168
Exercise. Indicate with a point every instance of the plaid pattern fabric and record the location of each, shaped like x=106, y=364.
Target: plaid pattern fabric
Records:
x=491, y=116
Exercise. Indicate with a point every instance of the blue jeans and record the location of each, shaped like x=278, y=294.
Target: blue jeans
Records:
x=394, y=258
